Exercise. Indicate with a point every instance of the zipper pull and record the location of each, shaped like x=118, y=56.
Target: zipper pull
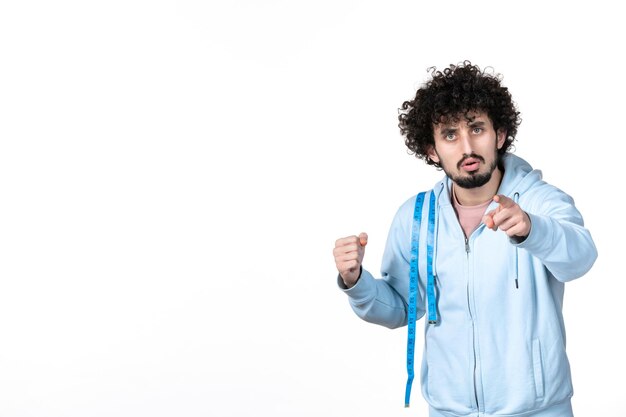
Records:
x=467, y=248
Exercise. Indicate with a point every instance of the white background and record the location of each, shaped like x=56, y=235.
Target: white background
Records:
x=173, y=176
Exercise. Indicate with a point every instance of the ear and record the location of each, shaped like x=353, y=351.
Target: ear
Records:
x=432, y=154
x=501, y=138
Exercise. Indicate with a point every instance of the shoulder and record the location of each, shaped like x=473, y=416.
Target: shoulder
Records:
x=406, y=210
x=521, y=179
x=547, y=199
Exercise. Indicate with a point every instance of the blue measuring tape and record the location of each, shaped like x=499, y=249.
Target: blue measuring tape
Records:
x=432, y=305
x=413, y=283
x=413, y=293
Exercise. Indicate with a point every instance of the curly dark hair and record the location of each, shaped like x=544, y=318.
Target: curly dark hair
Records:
x=450, y=95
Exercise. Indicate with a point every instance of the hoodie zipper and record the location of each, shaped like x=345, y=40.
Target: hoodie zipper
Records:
x=516, y=270
x=469, y=308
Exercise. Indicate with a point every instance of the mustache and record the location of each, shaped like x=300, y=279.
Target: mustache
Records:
x=466, y=157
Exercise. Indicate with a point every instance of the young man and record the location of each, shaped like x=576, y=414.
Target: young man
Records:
x=502, y=244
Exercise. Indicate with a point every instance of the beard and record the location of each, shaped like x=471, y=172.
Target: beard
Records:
x=474, y=179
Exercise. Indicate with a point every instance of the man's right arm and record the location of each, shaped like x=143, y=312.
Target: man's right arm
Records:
x=380, y=301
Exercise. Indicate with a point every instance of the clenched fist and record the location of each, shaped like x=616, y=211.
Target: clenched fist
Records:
x=349, y=252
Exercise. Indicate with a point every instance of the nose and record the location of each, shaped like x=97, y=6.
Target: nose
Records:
x=466, y=143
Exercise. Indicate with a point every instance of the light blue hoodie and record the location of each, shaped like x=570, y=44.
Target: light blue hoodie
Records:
x=498, y=348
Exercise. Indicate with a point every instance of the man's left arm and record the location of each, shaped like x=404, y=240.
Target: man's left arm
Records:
x=551, y=230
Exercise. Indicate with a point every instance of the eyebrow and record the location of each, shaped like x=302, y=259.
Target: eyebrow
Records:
x=445, y=130
x=477, y=123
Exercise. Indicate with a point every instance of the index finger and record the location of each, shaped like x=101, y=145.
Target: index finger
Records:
x=503, y=200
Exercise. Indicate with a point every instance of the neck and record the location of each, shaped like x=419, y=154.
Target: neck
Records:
x=478, y=195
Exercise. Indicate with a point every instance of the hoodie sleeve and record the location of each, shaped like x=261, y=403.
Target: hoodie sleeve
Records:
x=558, y=237
x=384, y=301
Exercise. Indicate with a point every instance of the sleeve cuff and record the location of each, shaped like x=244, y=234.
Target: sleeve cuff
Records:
x=363, y=290
x=518, y=240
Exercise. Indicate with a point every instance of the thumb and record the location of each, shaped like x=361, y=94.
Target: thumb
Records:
x=363, y=239
x=488, y=219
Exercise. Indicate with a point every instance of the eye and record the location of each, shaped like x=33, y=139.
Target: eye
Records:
x=449, y=136
x=477, y=130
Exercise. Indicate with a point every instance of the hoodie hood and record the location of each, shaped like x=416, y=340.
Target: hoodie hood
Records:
x=518, y=177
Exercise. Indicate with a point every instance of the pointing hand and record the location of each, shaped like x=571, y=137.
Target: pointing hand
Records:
x=508, y=217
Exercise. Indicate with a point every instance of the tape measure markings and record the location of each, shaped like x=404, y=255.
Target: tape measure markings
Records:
x=413, y=294
x=413, y=283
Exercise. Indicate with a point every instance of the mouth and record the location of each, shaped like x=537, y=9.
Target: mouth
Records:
x=470, y=164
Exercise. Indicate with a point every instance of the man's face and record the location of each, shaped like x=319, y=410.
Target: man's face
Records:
x=467, y=148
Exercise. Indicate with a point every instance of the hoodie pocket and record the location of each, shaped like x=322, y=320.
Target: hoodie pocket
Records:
x=448, y=371
x=538, y=368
